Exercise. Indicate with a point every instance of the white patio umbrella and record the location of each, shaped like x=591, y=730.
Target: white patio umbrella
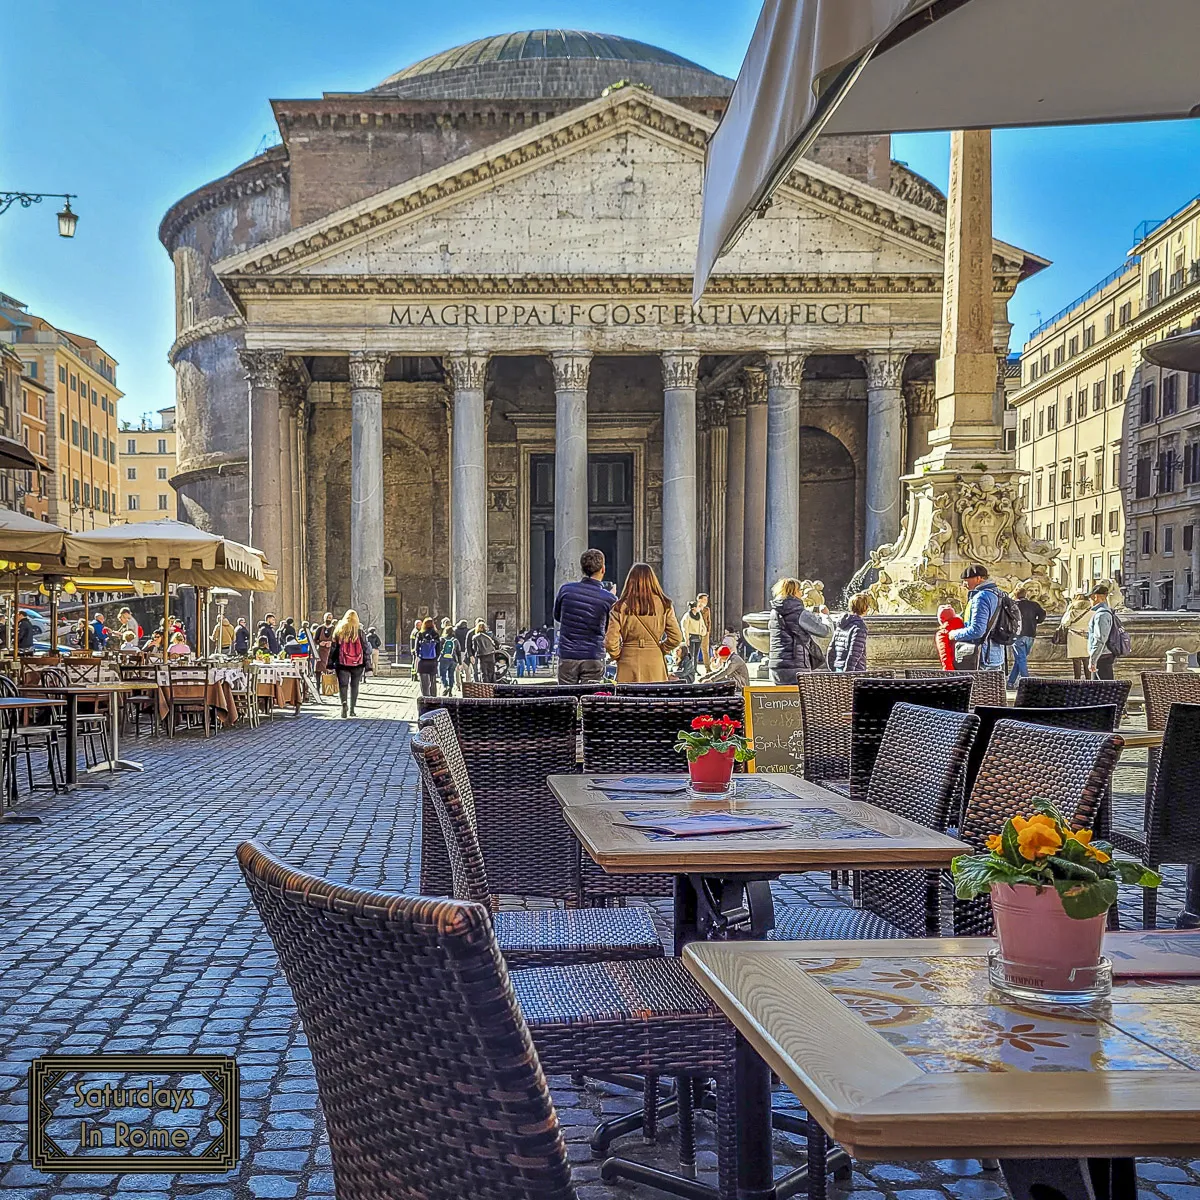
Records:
x=23, y=537
x=894, y=66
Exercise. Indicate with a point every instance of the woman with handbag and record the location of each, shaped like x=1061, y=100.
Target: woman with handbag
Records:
x=642, y=629
x=793, y=629
x=1072, y=632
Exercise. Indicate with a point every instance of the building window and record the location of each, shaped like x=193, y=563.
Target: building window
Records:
x=1125, y=313
x=1052, y=484
x=87, y=495
x=1168, y=539
x=1098, y=465
x=104, y=501
x=162, y=445
x=1073, y=346
x=1191, y=463
x=1045, y=363
x=74, y=383
x=1147, y=411
x=162, y=472
x=131, y=502
x=1108, y=324
x=1098, y=395
x=1069, y=412
x=1065, y=494
x=95, y=444
x=95, y=398
x=1147, y=542
x=131, y=446
x=1189, y=538
x=62, y=426
x=1170, y=395
x=1154, y=287
x=1166, y=471
x=131, y=472
x=1037, y=491
x=1089, y=335
x=1078, y=527
x=1037, y=533
x=1142, y=486
x=1033, y=370
x=75, y=490
x=163, y=501
x=74, y=433
x=1114, y=521
x=1041, y=422
x=1026, y=428
x=1118, y=387
x=1058, y=355
x=62, y=375
x=1064, y=530
x=1052, y=417
x=42, y=444
x=1010, y=439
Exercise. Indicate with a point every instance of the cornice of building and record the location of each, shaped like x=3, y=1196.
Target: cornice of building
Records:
x=226, y=323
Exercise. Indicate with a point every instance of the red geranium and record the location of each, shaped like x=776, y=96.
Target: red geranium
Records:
x=713, y=733
x=704, y=722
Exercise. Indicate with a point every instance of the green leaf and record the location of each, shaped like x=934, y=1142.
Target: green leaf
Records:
x=1044, y=806
x=1083, y=900
x=1071, y=870
x=1010, y=848
x=1132, y=872
x=974, y=874
x=1073, y=851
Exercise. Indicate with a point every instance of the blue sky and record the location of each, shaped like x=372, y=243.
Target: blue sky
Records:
x=135, y=103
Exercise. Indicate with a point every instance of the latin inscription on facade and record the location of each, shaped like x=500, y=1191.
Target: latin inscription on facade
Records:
x=604, y=313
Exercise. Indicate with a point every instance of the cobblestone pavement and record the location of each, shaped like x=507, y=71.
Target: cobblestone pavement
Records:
x=124, y=927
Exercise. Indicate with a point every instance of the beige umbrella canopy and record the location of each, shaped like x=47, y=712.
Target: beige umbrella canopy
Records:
x=23, y=538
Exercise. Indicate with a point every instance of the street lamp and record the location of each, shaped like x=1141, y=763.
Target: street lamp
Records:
x=67, y=220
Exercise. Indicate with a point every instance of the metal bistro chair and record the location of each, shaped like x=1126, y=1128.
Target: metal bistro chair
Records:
x=245, y=694
x=508, y=748
x=917, y=774
x=82, y=669
x=183, y=682
x=1036, y=692
x=92, y=724
x=24, y=740
x=624, y=735
x=1172, y=823
x=138, y=703
x=1071, y=768
x=430, y=1054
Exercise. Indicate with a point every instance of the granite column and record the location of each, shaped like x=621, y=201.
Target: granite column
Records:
x=754, y=521
x=468, y=488
x=263, y=369
x=366, y=485
x=735, y=503
x=885, y=445
x=571, y=371
x=679, y=476
x=782, y=554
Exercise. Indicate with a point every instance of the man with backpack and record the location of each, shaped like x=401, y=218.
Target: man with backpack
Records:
x=481, y=650
x=1107, y=639
x=992, y=622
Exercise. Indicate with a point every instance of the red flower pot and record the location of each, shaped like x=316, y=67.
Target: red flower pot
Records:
x=1040, y=944
x=712, y=771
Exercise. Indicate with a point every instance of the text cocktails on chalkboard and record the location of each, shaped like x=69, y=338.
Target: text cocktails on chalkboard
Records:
x=773, y=724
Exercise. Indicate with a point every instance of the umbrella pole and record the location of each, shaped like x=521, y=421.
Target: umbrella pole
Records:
x=53, y=618
x=166, y=637
x=87, y=635
x=16, y=614
x=199, y=623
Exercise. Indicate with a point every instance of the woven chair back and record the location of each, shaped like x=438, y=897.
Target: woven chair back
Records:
x=626, y=734
x=429, y=1082
x=1161, y=689
x=987, y=687
x=508, y=747
x=1035, y=692
x=455, y=813
x=917, y=775
x=477, y=691
x=1173, y=810
x=703, y=690
x=510, y=691
x=825, y=702
x=872, y=704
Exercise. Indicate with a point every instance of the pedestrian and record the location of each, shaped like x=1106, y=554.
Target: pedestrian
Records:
x=1100, y=625
x=376, y=644
x=267, y=630
x=450, y=660
x=178, y=647
x=948, y=621
x=241, y=638
x=543, y=649
x=983, y=609
x=531, y=653
x=848, y=649
x=693, y=629
x=99, y=632
x=428, y=655
x=683, y=664
x=222, y=634
x=324, y=639
x=154, y=643
x=729, y=666
x=481, y=652
x=1032, y=615
x=413, y=634
x=126, y=620
x=83, y=636
x=350, y=657
x=129, y=643
x=25, y=634
x=519, y=655
x=581, y=609
x=793, y=630
x=1074, y=630
x=706, y=641
x=642, y=628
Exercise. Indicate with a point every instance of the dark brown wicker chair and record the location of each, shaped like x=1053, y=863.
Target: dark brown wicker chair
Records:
x=557, y=691
x=405, y=1002
x=626, y=735
x=1161, y=689
x=509, y=747
x=1026, y=761
x=1172, y=824
x=701, y=689
x=1035, y=692
x=825, y=702
x=916, y=776
x=987, y=687
x=872, y=704
x=477, y=691
x=538, y=938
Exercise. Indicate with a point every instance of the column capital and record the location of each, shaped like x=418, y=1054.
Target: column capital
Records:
x=262, y=367
x=735, y=400
x=571, y=369
x=885, y=368
x=756, y=385
x=717, y=408
x=679, y=368
x=920, y=398
x=785, y=370
x=467, y=372
x=293, y=385
x=366, y=369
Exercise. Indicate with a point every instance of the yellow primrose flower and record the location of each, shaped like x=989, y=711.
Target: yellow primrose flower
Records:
x=1084, y=838
x=1038, y=840
x=1020, y=822
x=995, y=843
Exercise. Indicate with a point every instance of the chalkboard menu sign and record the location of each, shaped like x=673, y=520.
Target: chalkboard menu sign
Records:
x=773, y=724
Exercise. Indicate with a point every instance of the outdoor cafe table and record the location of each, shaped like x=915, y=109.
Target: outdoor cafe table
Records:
x=901, y=1050
x=20, y=704
x=72, y=694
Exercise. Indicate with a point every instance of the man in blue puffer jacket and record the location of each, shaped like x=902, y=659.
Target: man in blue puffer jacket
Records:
x=581, y=610
x=983, y=602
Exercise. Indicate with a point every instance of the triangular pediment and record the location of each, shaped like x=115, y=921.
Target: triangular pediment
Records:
x=610, y=188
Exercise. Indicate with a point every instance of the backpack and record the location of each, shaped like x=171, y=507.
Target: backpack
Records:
x=427, y=646
x=350, y=654
x=450, y=648
x=1006, y=622
x=484, y=646
x=1119, y=642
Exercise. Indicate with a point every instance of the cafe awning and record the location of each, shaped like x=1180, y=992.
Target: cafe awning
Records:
x=894, y=66
x=16, y=456
x=23, y=537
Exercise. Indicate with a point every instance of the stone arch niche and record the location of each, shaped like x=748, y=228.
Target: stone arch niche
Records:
x=828, y=492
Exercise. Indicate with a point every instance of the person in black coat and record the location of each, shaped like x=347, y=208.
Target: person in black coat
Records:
x=267, y=630
x=793, y=629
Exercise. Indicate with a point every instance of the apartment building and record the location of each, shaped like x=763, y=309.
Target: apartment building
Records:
x=1112, y=444
x=32, y=490
x=83, y=485
x=146, y=456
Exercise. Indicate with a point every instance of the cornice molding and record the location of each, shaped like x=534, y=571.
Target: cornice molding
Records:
x=204, y=329
x=248, y=180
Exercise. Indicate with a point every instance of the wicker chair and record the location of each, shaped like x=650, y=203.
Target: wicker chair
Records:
x=987, y=687
x=525, y=691
x=1035, y=692
x=405, y=1001
x=917, y=775
x=1161, y=689
x=872, y=704
x=1070, y=768
x=1172, y=825
x=509, y=747
x=621, y=734
x=476, y=691
x=825, y=701
x=541, y=938
x=703, y=690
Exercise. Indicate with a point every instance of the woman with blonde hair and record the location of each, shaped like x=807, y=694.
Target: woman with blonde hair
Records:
x=793, y=630
x=1073, y=630
x=350, y=657
x=642, y=629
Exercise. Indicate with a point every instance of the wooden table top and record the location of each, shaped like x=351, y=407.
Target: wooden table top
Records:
x=1142, y=739
x=824, y=830
x=30, y=702
x=86, y=689
x=901, y=1049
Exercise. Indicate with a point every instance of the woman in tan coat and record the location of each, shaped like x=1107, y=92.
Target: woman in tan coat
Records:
x=1075, y=623
x=642, y=629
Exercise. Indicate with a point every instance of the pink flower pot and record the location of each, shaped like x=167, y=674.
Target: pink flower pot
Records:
x=1040, y=944
x=712, y=771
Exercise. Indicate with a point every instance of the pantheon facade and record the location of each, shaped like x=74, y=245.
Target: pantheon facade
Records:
x=440, y=340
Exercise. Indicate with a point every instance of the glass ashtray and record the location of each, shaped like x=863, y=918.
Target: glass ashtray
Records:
x=711, y=791
x=1039, y=983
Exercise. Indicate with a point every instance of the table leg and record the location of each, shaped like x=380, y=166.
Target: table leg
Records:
x=72, y=771
x=686, y=913
x=752, y=1088
x=1070, y=1178
x=116, y=763
x=1190, y=917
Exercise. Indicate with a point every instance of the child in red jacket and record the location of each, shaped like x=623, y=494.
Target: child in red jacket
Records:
x=948, y=619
